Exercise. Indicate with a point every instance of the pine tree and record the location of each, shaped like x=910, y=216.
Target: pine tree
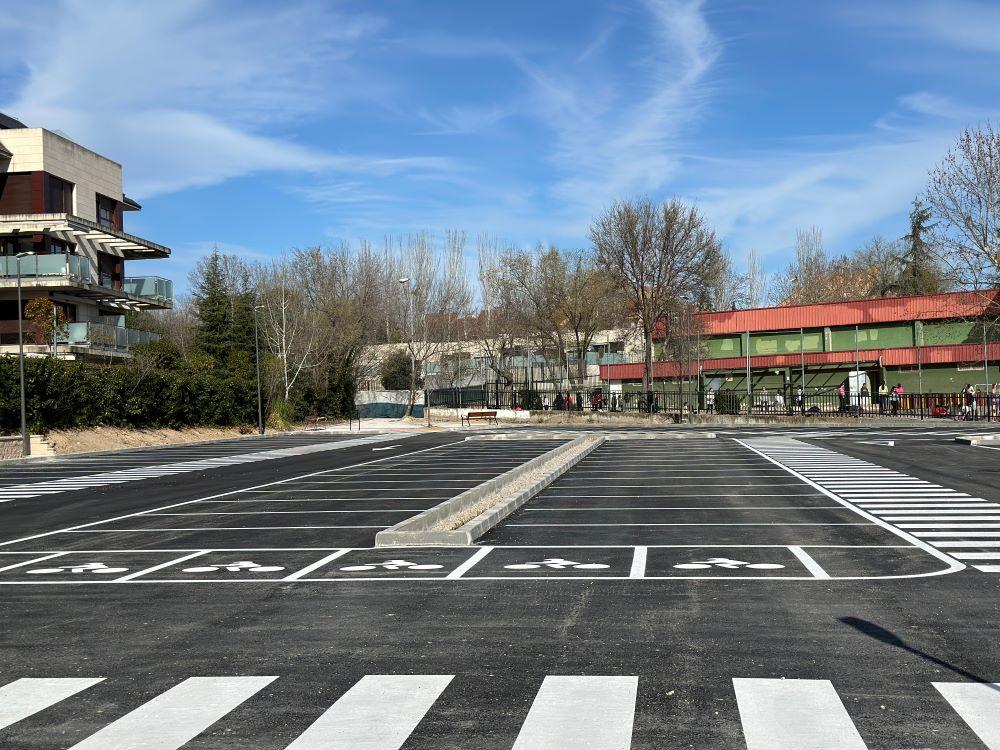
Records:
x=214, y=328
x=920, y=273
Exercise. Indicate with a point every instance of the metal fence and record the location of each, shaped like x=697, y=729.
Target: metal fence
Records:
x=763, y=402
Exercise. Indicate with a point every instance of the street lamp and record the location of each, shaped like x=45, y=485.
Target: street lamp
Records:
x=25, y=438
x=256, y=349
x=413, y=355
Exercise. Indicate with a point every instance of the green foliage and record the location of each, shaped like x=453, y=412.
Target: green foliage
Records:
x=395, y=371
x=921, y=274
x=728, y=402
x=224, y=306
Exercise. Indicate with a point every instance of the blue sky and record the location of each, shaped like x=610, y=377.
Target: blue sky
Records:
x=268, y=126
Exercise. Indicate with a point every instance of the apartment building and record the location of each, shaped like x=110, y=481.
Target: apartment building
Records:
x=62, y=211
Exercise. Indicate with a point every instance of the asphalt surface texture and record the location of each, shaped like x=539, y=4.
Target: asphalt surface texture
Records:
x=767, y=589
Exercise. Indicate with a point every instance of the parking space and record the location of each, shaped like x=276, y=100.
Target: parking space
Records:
x=714, y=495
x=338, y=508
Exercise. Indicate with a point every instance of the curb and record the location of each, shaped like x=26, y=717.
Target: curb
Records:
x=419, y=529
x=977, y=439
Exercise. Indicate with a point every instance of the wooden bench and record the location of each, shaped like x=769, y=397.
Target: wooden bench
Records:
x=487, y=416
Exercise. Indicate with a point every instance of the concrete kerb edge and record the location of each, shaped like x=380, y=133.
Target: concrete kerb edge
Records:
x=977, y=439
x=416, y=530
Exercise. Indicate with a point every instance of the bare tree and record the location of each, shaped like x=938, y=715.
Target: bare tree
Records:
x=434, y=297
x=757, y=281
x=658, y=255
x=287, y=323
x=964, y=193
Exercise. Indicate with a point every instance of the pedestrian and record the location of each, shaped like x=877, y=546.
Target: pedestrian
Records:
x=800, y=399
x=866, y=397
x=970, y=401
x=598, y=400
x=656, y=403
x=779, y=401
x=894, y=397
x=763, y=398
x=994, y=403
x=545, y=403
x=559, y=402
x=842, y=396
x=710, y=401
x=883, y=396
x=579, y=401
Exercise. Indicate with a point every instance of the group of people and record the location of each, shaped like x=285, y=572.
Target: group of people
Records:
x=974, y=401
x=568, y=403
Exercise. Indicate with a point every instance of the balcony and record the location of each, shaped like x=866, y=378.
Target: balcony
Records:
x=100, y=337
x=77, y=273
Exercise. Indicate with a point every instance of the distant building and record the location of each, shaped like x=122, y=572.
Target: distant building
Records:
x=64, y=204
x=934, y=343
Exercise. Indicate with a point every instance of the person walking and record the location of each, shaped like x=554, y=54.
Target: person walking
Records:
x=545, y=402
x=970, y=401
x=994, y=403
x=883, y=396
x=894, y=396
x=763, y=399
x=842, y=397
x=866, y=397
x=800, y=400
x=710, y=401
x=558, y=402
x=579, y=401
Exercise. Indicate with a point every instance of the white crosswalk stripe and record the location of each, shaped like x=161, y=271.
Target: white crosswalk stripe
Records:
x=381, y=712
x=978, y=705
x=894, y=498
x=104, y=479
x=794, y=714
x=175, y=717
x=29, y=695
x=378, y=713
x=580, y=712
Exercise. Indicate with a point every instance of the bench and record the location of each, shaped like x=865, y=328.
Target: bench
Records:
x=487, y=416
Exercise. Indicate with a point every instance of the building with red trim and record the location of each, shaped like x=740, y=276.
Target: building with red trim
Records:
x=934, y=343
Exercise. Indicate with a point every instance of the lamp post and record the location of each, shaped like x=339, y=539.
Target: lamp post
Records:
x=25, y=438
x=256, y=350
x=413, y=354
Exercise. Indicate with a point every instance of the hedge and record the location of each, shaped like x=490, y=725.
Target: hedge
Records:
x=67, y=394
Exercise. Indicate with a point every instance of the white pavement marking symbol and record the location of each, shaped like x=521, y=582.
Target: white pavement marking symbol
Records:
x=580, y=712
x=175, y=717
x=243, y=566
x=794, y=714
x=391, y=565
x=68, y=484
x=378, y=713
x=725, y=562
x=29, y=695
x=979, y=706
x=386, y=448
x=557, y=563
x=78, y=568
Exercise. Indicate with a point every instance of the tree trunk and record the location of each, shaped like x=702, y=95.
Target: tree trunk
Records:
x=647, y=365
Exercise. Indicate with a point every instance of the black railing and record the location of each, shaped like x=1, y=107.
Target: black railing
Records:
x=763, y=402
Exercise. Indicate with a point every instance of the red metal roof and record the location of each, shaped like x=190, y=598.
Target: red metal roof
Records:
x=852, y=312
x=901, y=357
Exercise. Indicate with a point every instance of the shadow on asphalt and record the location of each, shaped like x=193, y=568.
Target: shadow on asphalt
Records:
x=885, y=636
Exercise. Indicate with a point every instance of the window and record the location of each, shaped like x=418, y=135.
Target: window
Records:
x=58, y=195
x=106, y=213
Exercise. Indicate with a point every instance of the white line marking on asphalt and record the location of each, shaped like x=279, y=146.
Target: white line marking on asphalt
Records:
x=386, y=448
x=580, y=712
x=977, y=555
x=29, y=695
x=638, y=569
x=175, y=717
x=154, y=568
x=811, y=565
x=32, y=561
x=313, y=566
x=978, y=705
x=378, y=713
x=462, y=569
x=209, y=497
x=794, y=714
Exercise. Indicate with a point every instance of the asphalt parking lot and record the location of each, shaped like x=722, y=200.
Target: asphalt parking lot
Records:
x=767, y=590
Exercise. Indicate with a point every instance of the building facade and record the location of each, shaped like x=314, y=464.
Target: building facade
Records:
x=62, y=210
x=928, y=344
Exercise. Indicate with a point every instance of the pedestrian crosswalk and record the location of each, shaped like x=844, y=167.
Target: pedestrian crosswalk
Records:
x=103, y=479
x=382, y=712
x=956, y=524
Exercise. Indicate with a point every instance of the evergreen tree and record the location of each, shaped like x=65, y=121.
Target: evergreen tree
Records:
x=212, y=304
x=920, y=273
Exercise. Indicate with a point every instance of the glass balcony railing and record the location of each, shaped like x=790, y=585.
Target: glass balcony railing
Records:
x=56, y=266
x=151, y=287
x=105, y=337
x=77, y=268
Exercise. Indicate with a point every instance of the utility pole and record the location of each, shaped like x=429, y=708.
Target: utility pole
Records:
x=25, y=437
x=256, y=349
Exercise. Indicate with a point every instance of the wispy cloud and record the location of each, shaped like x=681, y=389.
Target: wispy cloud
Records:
x=193, y=92
x=962, y=25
